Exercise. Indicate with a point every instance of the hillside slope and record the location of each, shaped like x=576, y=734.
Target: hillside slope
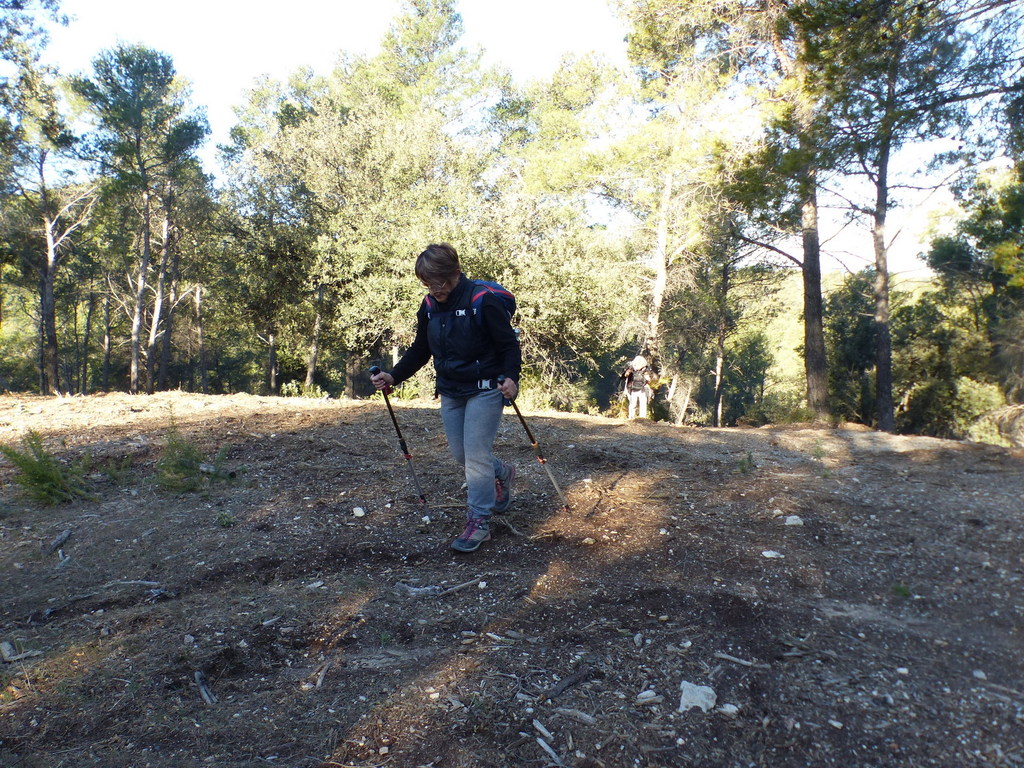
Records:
x=308, y=612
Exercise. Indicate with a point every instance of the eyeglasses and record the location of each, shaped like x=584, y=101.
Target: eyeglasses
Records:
x=437, y=287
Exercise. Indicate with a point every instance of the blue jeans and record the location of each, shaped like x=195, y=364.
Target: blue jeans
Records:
x=471, y=424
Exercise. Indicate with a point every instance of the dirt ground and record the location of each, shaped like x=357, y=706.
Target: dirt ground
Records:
x=713, y=597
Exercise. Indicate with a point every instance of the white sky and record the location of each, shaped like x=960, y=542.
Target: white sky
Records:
x=223, y=46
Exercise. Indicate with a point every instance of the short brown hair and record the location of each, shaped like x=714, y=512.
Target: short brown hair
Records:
x=438, y=263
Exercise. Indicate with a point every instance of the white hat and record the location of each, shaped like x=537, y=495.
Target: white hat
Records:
x=638, y=363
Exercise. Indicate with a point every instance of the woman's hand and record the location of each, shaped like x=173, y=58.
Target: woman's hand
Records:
x=509, y=389
x=382, y=380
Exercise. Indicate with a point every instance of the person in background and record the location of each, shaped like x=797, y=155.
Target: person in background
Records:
x=470, y=354
x=637, y=387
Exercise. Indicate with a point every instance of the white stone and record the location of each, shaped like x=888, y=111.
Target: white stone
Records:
x=696, y=697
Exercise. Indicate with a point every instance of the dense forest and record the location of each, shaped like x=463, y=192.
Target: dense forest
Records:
x=671, y=209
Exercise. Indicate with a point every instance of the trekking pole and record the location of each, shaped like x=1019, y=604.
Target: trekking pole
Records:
x=401, y=440
x=536, y=447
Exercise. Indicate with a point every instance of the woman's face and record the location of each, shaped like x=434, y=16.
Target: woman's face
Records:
x=440, y=291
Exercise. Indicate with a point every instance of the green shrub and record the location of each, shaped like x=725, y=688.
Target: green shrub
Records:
x=785, y=406
x=42, y=475
x=183, y=467
x=949, y=409
x=295, y=389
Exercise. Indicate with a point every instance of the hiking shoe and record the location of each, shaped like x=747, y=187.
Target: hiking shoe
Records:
x=503, y=489
x=478, y=530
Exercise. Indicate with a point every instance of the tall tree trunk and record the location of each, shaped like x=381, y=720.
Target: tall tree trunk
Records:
x=815, y=362
x=723, y=330
x=156, y=316
x=661, y=258
x=167, y=339
x=138, y=311
x=352, y=369
x=719, y=375
x=105, y=377
x=883, y=338
x=314, y=345
x=49, y=373
x=272, y=385
x=204, y=378
x=83, y=385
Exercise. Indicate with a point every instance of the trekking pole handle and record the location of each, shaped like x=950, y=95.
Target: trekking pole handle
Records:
x=374, y=370
x=501, y=380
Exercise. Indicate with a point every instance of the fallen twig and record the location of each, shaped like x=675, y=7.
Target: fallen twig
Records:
x=502, y=521
x=433, y=590
x=562, y=685
x=547, y=748
x=134, y=583
x=8, y=653
x=744, y=662
x=542, y=730
x=457, y=587
x=59, y=541
x=578, y=715
x=204, y=689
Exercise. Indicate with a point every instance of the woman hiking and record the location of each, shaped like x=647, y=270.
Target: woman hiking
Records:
x=472, y=344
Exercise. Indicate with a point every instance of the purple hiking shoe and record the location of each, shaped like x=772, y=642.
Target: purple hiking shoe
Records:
x=478, y=530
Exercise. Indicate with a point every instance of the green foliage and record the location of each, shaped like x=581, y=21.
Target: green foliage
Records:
x=299, y=389
x=778, y=407
x=746, y=464
x=949, y=409
x=750, y=359
x=183, y=467
x=850, y=339
x=42, y=475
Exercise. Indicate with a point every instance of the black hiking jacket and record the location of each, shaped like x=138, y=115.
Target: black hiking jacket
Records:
x=469, y=352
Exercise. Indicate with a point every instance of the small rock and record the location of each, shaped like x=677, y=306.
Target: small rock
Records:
x=589, y=540
x=729, y=710
x=794, y=520
x=771, y=553
x=979, y=674
x=696, y=697
x=358, y=512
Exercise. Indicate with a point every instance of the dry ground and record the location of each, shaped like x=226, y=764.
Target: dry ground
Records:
x=263, y=621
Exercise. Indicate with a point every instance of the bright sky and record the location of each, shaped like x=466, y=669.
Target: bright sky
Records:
x=223, y=46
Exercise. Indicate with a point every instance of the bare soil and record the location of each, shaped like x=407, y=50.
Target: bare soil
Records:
x=262, y=620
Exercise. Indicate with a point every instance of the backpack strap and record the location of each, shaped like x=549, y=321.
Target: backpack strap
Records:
x=477, y=301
